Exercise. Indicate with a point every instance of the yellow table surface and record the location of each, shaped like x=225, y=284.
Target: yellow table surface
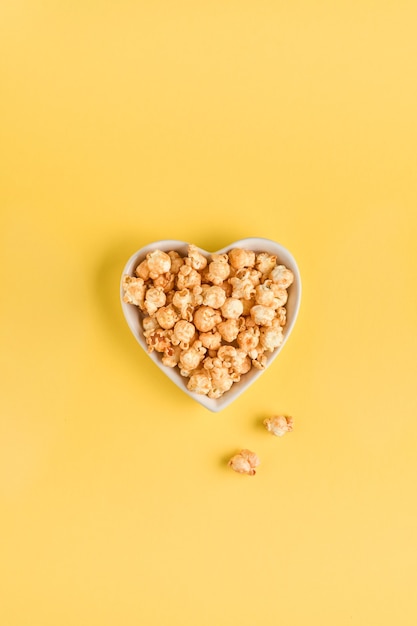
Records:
x=126, y=122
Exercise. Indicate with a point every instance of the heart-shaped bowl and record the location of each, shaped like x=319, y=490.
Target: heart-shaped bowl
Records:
x=134, y=316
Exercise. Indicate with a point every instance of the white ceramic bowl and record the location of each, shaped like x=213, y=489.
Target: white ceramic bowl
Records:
x=258, y=244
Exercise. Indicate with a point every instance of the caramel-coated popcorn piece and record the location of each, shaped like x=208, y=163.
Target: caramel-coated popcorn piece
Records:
x=282, y=276
x=232, y=309
x=158, y=263
x=265, y=262
x=221, y=381
x=184, y=302
x=262, y=315
x=198, y=261
x=135, y=290
x=271, y=337
x=188, y=277
x=155, y=298
x=241, y=258
x=280, y=295
x=264, y=294
x=171, y=356
x=206, y=318
x=165, y=281
x=200, y=382
x=176, y=261
x=242, y=286
x=218, y=269
x=248, y=339
x=183, y=334
x=191, y=358
x=167, y=316
x=281, y=314
x=279, y=425
x=214, y=296
x=245, y=462
x=211, y=340
x=142, y=270
x=229, y=330
x=149, y=324
x=158, y=340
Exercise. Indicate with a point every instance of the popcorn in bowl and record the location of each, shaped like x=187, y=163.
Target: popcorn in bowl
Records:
x=212, y=320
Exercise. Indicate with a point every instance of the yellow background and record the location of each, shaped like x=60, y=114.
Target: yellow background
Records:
x=126, y=122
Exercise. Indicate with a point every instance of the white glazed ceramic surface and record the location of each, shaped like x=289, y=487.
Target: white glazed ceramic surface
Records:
x=258, y=244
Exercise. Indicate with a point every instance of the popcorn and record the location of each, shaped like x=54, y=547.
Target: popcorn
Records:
x=211, y=340
x=135, y=290
x=232, y=308
x=229, y=330
x=171, y=356
x=264, y=294
x=279, y=425
x=200, y=382
x=176, y=261
x=248, y=339
x=280, y=295
x=219, y=269
x=187, y=277
x=259, y=360
x=158, y=263
x=245, y=462
x=282, y=276
x=183, y=334
x=265, y=262
x=244, y=283
x=241, y=258
x=165, y=281
x=271, y=337
x=190, y=358
x=281, y=314
x=149, y=324
x=154, y=299
x=142, y=270
x=198, y=261
x=213, y=318
x=221, y=381
x=262, y=315
x=241, y=363
x=167, y=316
x=158, y=340
x=206, y=318
x=214, y=297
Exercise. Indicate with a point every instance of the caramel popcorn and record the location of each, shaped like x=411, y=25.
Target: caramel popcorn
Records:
x=282, y=276
x=279, y=425
x=241, y=258
x=214, y=318
x=142, y=270
x=158, y=263
x=262, y=315
x=245, y=462
x=265, y=262
x=214, y=297
x=183, y=334
x=135, y=290
x=219, y=269
x=167, y=316
x=232, y=308
x=229, y=330
x=271, y=337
